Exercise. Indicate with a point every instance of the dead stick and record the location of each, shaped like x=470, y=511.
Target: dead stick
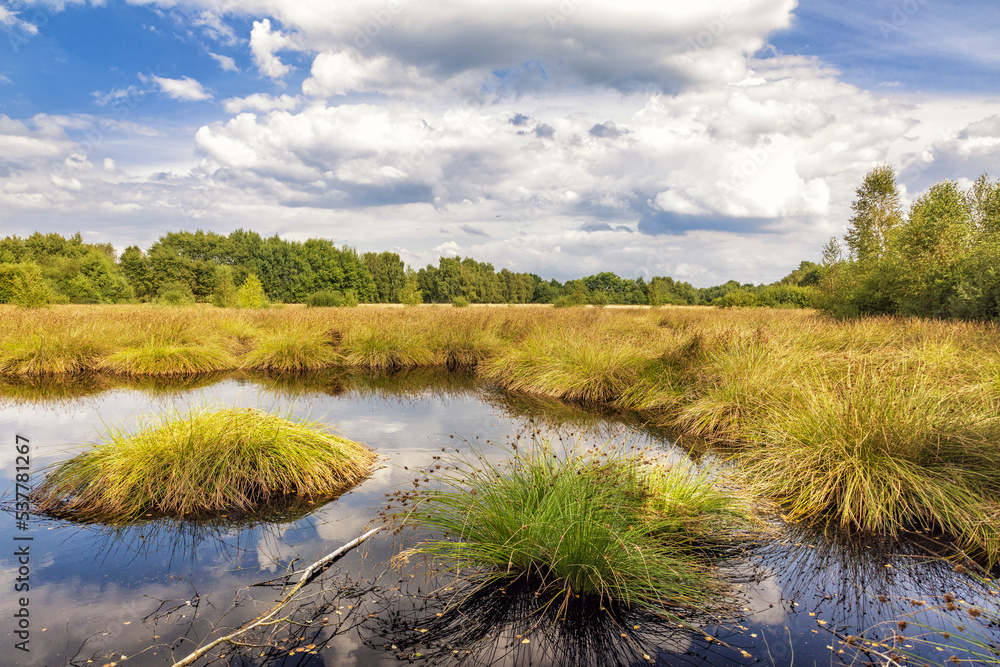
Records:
x=307, y=574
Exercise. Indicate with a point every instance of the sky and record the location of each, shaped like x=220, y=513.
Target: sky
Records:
x=707, y=141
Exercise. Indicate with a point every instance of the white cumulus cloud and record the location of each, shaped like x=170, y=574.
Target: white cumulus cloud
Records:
x=264, y=44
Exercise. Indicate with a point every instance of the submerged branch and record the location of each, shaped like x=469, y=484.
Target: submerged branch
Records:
x=307, y=575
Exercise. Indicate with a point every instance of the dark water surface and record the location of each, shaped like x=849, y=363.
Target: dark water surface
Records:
x=149, y=594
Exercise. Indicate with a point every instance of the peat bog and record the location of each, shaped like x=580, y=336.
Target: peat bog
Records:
x=886, y=479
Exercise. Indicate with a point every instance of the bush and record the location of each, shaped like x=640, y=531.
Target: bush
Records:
x=176, y=293
x=22, y=285
x=410, y=296
x=787, y=296
x=325, y=299
x=598, y=299
x=224, y=295
x=738, y=298
x=569, y=300
x=460, y=302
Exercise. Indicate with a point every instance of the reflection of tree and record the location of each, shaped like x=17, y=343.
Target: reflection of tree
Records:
x=329, y=382
x=512, y=624
x=420, y=382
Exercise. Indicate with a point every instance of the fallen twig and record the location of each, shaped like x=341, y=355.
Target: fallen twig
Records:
x=306, y=577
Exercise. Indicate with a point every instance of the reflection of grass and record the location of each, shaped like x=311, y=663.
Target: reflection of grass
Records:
x=598, y=522
x=958, y=630
x=42, y=389
x=508, y=623
x=208, y=461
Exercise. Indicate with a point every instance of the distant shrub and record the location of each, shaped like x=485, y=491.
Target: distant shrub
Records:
x=738, y=298
x=599, y=299
x=325, y=299
x=460, y=302
x=251, y=294
x=410, y=296
x=350, y=299
x=568, y=300
x=787, y=296
x=22, y=285
x=176, y=293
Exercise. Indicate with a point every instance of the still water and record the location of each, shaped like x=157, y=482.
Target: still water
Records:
x=150, y=594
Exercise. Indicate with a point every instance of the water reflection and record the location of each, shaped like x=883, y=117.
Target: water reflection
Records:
x=511, y=624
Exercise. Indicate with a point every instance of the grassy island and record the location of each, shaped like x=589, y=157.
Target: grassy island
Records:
x=206, y=462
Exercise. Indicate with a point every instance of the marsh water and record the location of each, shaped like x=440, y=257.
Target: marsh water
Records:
x=149, y=594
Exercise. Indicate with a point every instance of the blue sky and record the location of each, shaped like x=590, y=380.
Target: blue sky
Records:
x=707, y=142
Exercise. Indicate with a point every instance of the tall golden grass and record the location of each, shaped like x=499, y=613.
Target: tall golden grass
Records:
x=879, y=424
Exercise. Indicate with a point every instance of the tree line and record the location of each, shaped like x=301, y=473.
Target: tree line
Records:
x=244, y=268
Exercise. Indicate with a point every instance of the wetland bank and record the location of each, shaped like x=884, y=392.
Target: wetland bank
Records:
x=861, y=431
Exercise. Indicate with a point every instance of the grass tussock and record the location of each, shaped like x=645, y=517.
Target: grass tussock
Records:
x=37, y=354
x=293, y=350
x=159, y=359
x=586, y=371
x=599, y=522
x=885, y=448
x=202, y=463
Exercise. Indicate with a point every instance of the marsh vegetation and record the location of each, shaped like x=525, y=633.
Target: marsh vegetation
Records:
x=880, y=425
x=207, y=462
x=622, y=525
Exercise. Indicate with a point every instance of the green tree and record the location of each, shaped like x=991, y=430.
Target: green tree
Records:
x=934, y=244
x=136, y=268
x=225, y=295
x=388, y=273
x=877, y=213
x=251, y=293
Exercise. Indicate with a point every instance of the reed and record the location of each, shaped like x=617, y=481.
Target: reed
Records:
x=882, y=448
x=208, y=461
